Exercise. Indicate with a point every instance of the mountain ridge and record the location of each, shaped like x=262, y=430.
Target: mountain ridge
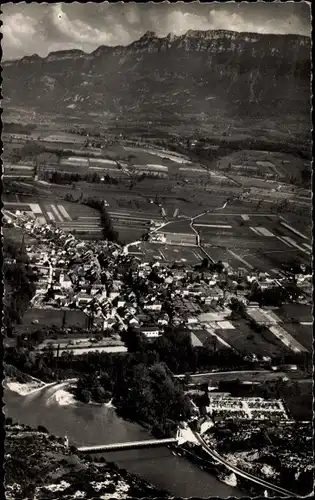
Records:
x=151, y=35
x=184, y=75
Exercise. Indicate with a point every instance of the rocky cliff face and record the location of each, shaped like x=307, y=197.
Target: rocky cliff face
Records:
x=199, y=72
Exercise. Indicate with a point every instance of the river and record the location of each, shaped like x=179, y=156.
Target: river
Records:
x=93, y=424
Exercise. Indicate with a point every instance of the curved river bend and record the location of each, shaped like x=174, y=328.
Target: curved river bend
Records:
x=93, y=424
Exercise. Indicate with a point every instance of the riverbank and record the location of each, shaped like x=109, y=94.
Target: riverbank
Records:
x=279, y=452
x=39, y=465
x=22, y=383
x=23, y=388
x=89, y=424
x=63, y=394
x=196, y=455
x=60, y=395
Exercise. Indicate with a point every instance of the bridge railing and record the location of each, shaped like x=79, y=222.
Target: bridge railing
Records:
x=127, y=445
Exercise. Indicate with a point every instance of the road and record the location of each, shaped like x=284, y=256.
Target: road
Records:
x=158, y=228
x=236, y=372
x=191, y=224
x=49, y=283
x=192, y=219
x=239, y=472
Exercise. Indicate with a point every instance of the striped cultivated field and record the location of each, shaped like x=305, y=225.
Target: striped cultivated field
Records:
x=69, y=217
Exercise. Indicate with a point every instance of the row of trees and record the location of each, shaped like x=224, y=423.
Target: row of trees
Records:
x=29, y=151
x=18, y=128
x=213, y=267
x=140, y=382
x=19, y=284
x=68, y=178
x=274, y=296
x=109, y=232
x=142, y=391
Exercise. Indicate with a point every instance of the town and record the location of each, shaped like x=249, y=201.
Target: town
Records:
x=233, y=326
x=157, y=250
x=93, y=296
x=116, y=290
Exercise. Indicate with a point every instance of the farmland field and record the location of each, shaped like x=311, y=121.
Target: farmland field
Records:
x=298, y=321
x=302, y=333
x=272, y=260
x=60, y=137
x=263, y=162
x=51, y=318
x=245, y=339
x=178, y=226
x=246, y=376
x=129, y=234
x=301, y=405
x=167, y=253
x=211, y=339
x=248, y=241
x=71, y=217
x=134, y=156
x=16, y=234
x=298, y=311
x=250, y=237
x=256, y=241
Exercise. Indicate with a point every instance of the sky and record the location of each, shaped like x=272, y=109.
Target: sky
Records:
x=41, y=28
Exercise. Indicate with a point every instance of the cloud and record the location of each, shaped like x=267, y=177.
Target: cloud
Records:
x=42, y=28
x=77, y=31
x=17, y=31
x=179, y=22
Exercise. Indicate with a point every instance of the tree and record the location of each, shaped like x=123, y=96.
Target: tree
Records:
x=64, y=320
x=205, y=263
x=238, y=308
x=306, y=176
x=19, y=287
x=273, y=296
x=84, y=395
x=214, y=344
x=151, y=394
x=219, y=267
x=135, y=340
x=108, y=230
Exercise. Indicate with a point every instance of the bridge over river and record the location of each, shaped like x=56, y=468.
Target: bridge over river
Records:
x=148, y=443
x=194, y=437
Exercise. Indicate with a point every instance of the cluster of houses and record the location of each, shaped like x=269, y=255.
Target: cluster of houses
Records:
x=223, y=406
x=117, y=291
x=216, y=406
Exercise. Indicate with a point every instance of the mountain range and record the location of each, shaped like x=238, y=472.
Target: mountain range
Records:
x=199, y=73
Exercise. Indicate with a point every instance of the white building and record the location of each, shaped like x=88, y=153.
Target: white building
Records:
x=155, y=306
x=151, y=331
x=82, y=299
x=65, y=281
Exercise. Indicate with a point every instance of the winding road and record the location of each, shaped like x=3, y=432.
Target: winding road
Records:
x=239, y=472
x=191, y=224
x=192, y=220
x=233, y=372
